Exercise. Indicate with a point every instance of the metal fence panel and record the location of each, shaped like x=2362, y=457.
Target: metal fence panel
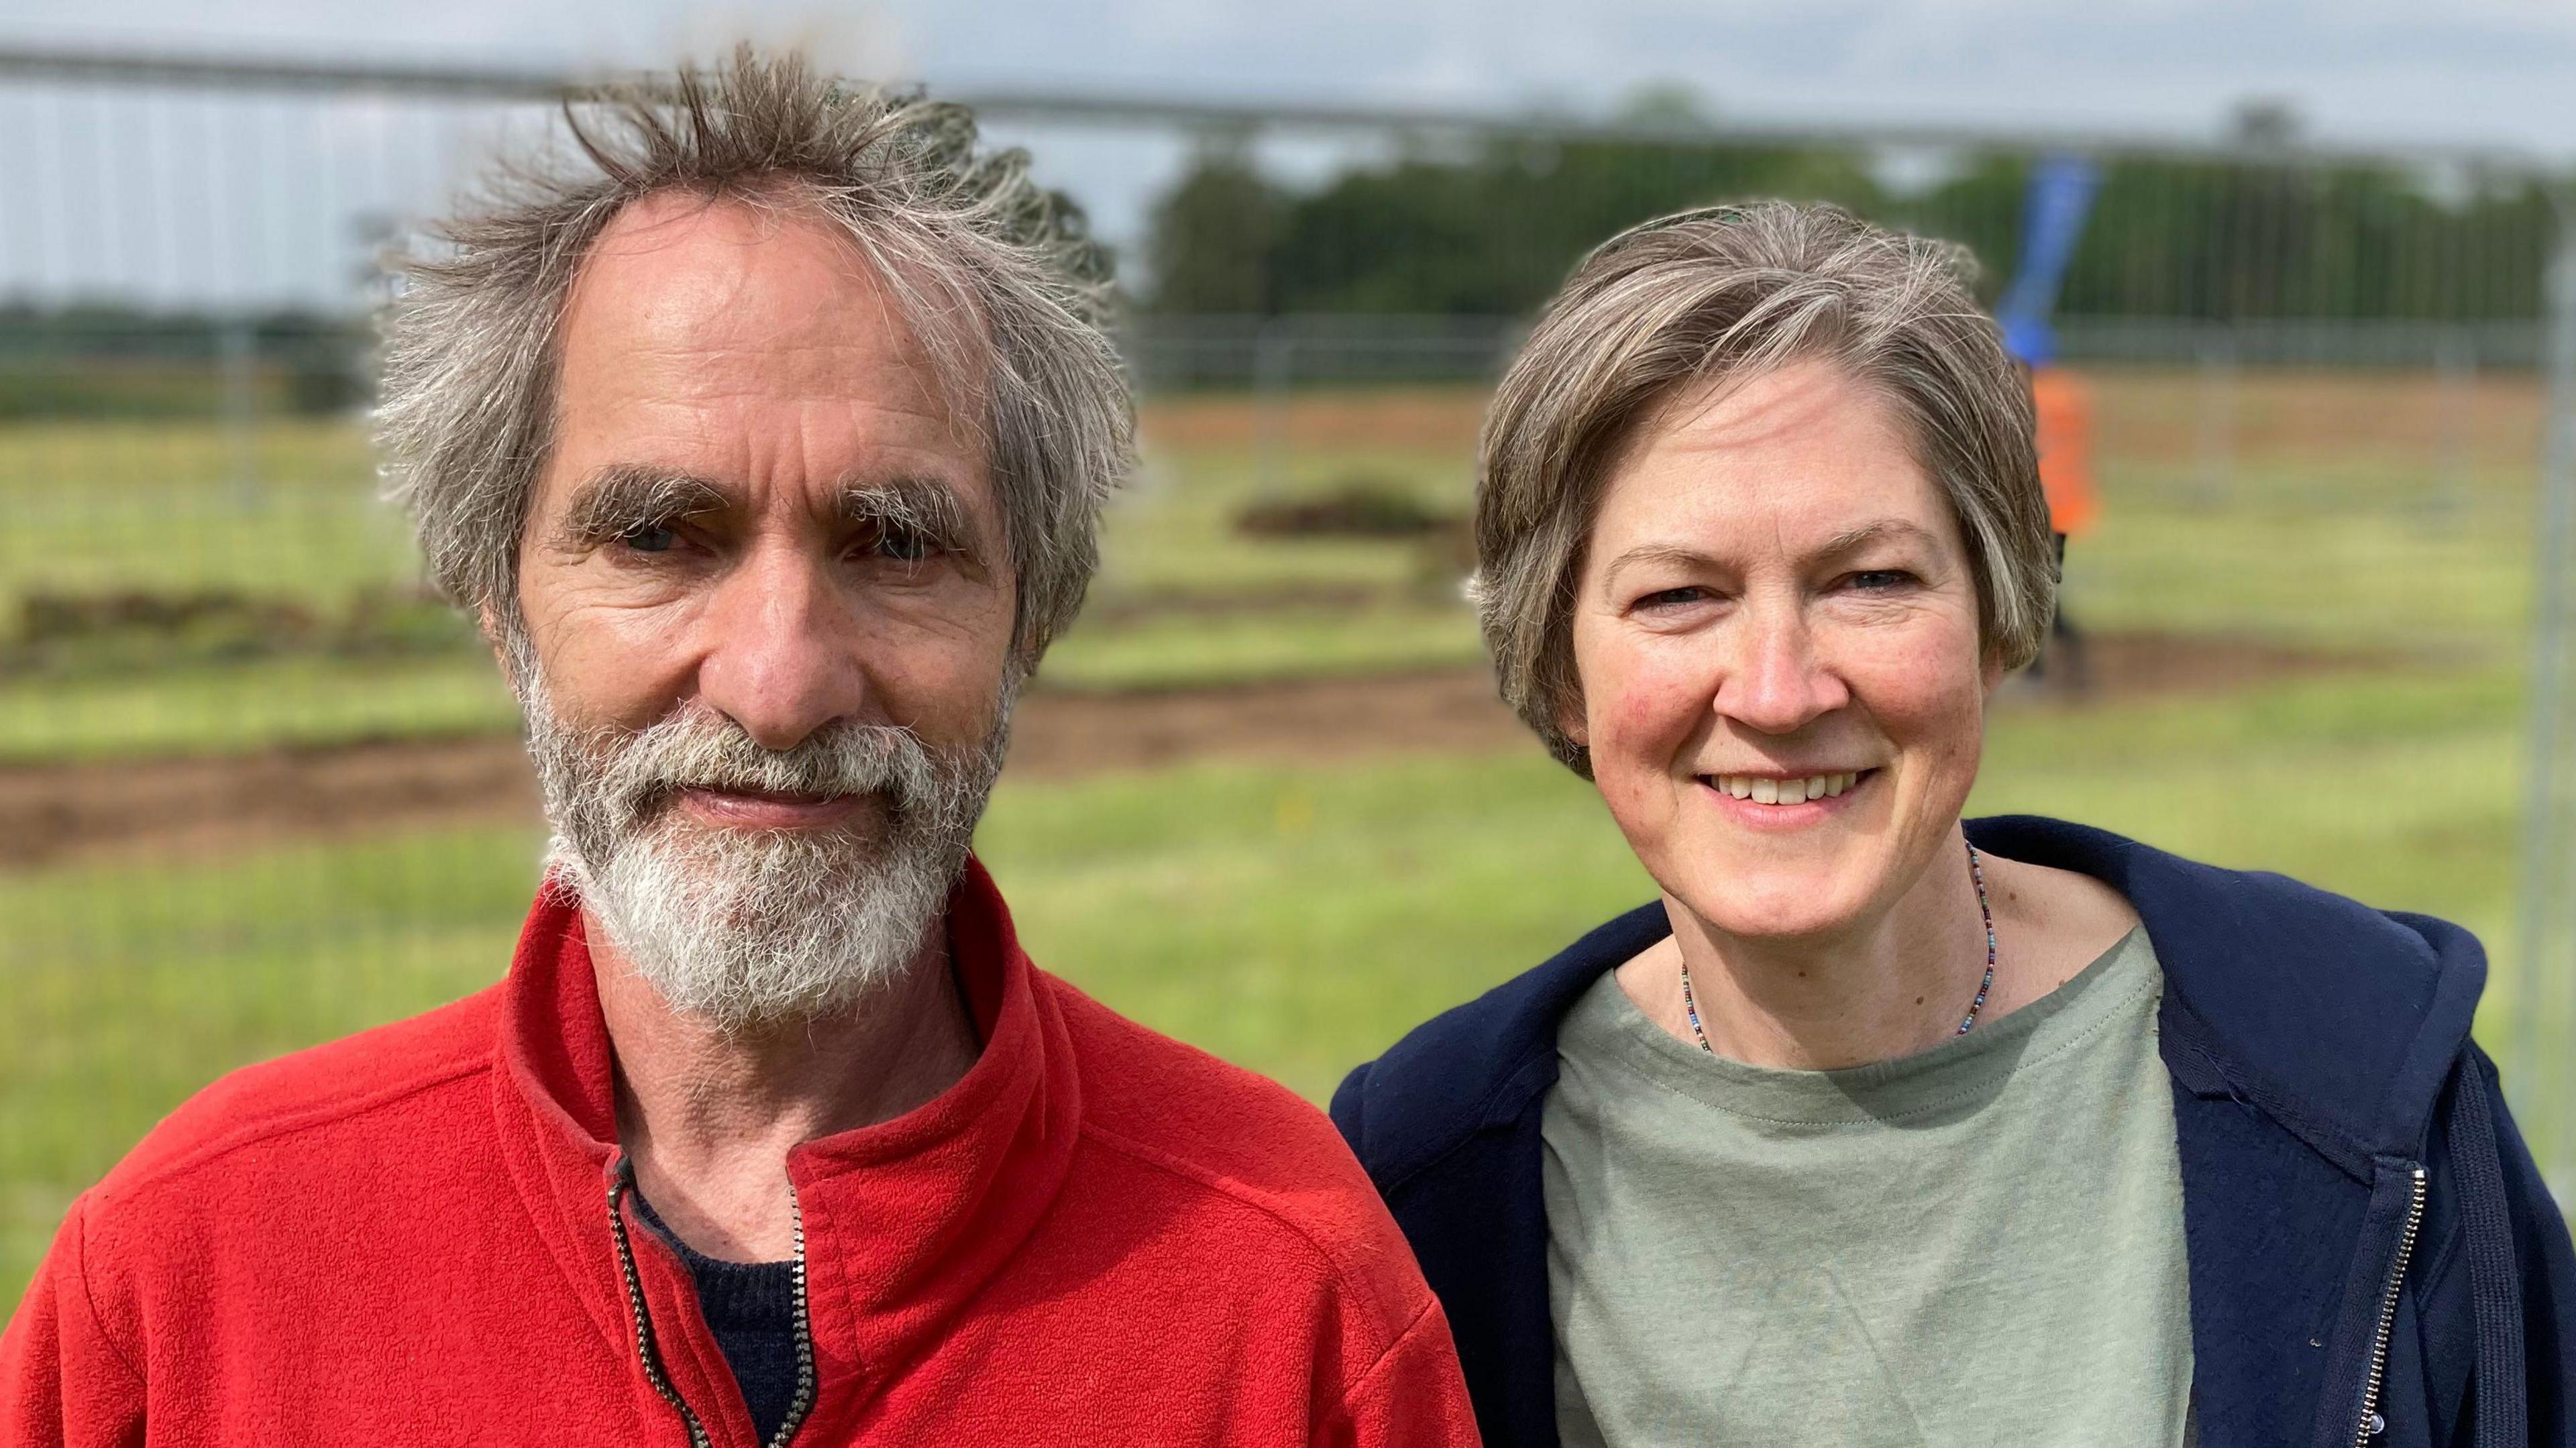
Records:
x=258, y=788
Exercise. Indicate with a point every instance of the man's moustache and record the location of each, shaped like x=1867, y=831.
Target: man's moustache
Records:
x=880, y=772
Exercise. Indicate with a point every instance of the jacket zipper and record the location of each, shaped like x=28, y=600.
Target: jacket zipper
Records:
x=2372, y=1424
x=619, y=1184
x=803, y=1403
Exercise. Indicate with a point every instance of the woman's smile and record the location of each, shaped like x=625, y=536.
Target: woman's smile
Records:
x=1774, y=801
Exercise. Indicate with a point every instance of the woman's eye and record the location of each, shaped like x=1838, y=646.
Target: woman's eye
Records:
x=1880, y=580
x=649, y=538
x=1668, y=597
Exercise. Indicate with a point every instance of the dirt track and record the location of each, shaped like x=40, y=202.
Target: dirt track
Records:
x=131, y=808
x=215, y=805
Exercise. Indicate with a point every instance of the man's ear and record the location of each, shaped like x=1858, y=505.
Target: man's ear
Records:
x=487, y=621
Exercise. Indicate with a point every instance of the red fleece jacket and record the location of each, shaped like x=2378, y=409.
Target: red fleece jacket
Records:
x=1097, y=1236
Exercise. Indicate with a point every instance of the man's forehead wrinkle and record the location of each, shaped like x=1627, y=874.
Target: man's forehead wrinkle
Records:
x=806, y=316
x=822, y=372
x=724, y=266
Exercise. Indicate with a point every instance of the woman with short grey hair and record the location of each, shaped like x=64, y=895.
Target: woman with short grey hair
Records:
x=1878, y=1126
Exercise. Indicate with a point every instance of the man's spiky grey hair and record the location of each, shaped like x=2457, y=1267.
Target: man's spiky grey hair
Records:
x=994, y=276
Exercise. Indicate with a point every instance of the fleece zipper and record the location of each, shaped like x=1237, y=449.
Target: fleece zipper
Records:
x=620, y=1182
x=2371, y=1424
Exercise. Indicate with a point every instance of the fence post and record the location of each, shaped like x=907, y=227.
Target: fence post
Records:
x=2455, y=370
x=1273, y=359
x=238, y=349
x=2217, y=413
x=2548, y=967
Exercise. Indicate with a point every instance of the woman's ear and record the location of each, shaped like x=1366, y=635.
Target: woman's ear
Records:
x=1571, y=723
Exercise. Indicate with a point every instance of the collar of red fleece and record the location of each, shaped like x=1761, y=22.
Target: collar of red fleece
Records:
x=904, y=1221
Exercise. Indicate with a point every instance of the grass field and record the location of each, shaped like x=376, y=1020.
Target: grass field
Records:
x=1294, y=920
x=2336, y=539
x=1291, y=917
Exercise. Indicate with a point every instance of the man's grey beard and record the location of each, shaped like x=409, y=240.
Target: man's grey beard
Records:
x=749, y=928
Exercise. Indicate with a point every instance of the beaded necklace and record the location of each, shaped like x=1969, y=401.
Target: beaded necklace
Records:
x=1976, y=872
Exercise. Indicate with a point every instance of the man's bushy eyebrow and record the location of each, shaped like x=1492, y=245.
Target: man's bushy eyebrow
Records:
x=624, y=496
x=924, y=507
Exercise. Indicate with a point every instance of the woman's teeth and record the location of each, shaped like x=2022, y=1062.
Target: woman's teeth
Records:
x=1762, y=789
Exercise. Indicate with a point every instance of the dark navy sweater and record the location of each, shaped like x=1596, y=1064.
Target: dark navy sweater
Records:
x=2373, y=1256
x=750, y=1307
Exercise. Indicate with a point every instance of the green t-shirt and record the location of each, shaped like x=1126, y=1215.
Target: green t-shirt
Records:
x=1978, y=1244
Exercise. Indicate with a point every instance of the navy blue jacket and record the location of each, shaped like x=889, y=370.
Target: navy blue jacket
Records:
x=2370, y=1244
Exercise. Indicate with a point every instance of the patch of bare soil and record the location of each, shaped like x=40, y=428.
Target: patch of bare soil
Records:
x=2128, y=666
x=2295, y=415
x=208, y=807
x=214, y=805
x=1450, y=711
x=1375, y=417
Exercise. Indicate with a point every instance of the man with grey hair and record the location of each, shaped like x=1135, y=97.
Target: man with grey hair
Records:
x=767, y=442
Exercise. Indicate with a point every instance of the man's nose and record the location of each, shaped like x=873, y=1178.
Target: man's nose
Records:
x=1775, y=681
x=781, y=656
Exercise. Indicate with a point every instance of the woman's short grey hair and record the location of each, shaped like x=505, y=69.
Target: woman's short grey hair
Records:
x=1714, y=297
x=993, y=275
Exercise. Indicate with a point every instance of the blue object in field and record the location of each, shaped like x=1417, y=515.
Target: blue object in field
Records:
x=2030, y=340
x=2052, y=221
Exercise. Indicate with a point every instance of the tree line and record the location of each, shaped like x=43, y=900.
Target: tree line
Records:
x=1491, y=229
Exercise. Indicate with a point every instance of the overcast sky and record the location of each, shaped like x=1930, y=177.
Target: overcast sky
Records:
x=2466, y=71
x=2477, y=70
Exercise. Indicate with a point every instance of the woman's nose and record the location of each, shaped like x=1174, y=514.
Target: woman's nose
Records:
x=1776, y=681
